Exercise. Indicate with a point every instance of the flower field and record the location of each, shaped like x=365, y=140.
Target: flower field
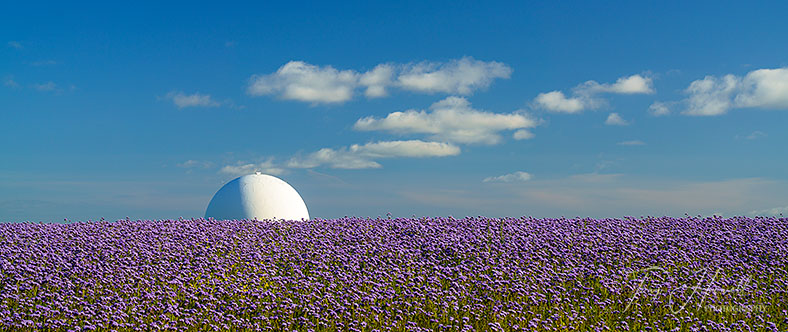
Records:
x=412, y=274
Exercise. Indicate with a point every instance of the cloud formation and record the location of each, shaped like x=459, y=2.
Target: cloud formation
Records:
x=631, y=143
x=766, y=88
x=771, y=212
x=756, y=135
x=48, y=86
x=377, y=79
x=461, y=76
x=522, y=134
x=762, y=88
x=452, y=120
x=512, y=177
x=752, y=136
x=615, y=120
x=634, y=84
x=659, y=109
x=298, y=80
x=363, y=156
x=584, y=96
x=195, y=164
x=9, y=82
x=182, y=100
x=711, y=96
x=242, y=168
x=556, y=101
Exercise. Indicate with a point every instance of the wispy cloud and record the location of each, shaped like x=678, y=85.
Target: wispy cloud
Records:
x=770, y=212
x=522, y=134
x=298, y=80
x=15, y=44
x=48, y=86
x=584, y=96
x=244, y=168
x=333, y=158
x=182, y=100
x=196, y=164
x=762, y=88
x=9, y=82
x=364, y=156
x=378, y=80
x=556, y=101
x=754, y=135
x=452, y=120
x=615, y=120
x=461, y=76
x=518, y=176
x=711, y=96
x=634, y=84
x=602, y=195
x=659, y=108
x=631, y=143
x=663, y=196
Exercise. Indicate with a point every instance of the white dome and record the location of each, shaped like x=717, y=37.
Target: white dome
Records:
x=257, y=196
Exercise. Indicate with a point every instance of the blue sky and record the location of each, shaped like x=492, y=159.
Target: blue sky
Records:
x=409, y=108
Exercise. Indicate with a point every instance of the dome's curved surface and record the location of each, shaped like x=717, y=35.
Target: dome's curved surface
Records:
x=257, y=196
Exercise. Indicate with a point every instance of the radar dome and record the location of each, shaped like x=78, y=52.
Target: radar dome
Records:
x=257, y=196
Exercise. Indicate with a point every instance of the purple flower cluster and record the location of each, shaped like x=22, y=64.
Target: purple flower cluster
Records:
x=416, y=274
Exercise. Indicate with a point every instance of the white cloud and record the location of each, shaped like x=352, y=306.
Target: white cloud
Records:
x=556, y=101
x=512, y=177
x=615, y=120
x=631, y=143
x=771, y=212
x=584, y=95
x=182, y=100
x=196, y=164
x=48, y=86
x=659, y=109
x=376, y=80
x=362, y=156
x=762, y=88
x=522, y=134
x=333, y=158
x=451, y=120
x=9, y=82
x=15, y=44
x=754, y=135
x=766, y=88
x=711, y=96
x=461, y=76
x=242, y=168
x=410, y=148
x=634, y=84
x=652, y=196
x=602, y=196
x=298, y=80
